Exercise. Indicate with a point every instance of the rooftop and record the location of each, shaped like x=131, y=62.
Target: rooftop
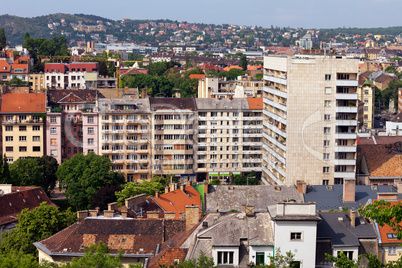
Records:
x=23, y=103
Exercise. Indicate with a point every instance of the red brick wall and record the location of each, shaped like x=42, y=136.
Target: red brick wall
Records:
x=171, y=255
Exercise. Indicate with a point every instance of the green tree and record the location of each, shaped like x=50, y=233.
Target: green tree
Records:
x=133, y=189
x=282, y=261
x=3, y=40
x=18, y=259
x=83, y=175
x=342, y=261
x=202, y=262
x=104, y=196
x=96, y=256
x=258, y=76
x=243, y=62
x=249, y=179
x=5, y=176
x=35, y=225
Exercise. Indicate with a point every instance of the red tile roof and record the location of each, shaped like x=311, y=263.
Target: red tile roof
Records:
x=4, y=66
x=23, y=103
x=13, y=203
x=255, y=103
x=178, y=200
x=57, y=67
x=386, y=229
x=23, y=66
x=231, y=67
x=383, y=160
x=197, y=76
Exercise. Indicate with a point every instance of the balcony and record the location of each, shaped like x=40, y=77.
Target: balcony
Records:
x=346, y=96
x=345, y=162
x=276, y=92
x=346, y=122
x=275, y=116
x=347, y=174
x=346, y=109
x=272, y=176
x=275, y=129
x=346, y=136
x=345, y=149
x=274, y=79
x=274, y=153
x=275, y=104
x=347, y=83
x=275, y=141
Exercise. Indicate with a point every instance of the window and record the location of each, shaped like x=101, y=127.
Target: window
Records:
x=326, y=143
x=366, y=92
x=36, y=128
x=392, y=236
x=90, y=119
x=338, y=181
x=53, y=130
x=327, y=77
x=36, y=138
x=327, y=117
x=23, y=149
x=23, y=128
x=91, y=141
x=53, y=119
x=325, y=182
x=9, y=128
x=90, y=130
x=327, y=130
x=327, y=103
x=23, y=138
x=144, y=176
x=326, y=156
x=10, y=159
x=9, y=149
x=225, y=257
x=327, y=90
x=75, y=150
x=36, y=148
x=22, y=117
x=325, y=169
x=295, y=236
x=366, y=100
x=348, y=254
x=53, y=152
x=392, y=251
x=366, y=108
x=53, y=141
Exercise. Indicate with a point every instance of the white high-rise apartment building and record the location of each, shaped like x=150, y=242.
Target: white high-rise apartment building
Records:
x=310, y=118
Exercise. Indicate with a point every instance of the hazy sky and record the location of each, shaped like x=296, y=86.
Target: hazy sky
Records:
x=294, y=13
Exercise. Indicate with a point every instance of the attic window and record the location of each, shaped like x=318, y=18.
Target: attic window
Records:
x=330, y=188
x=374, y=187
x=82, y=247
x=171, y=203
x=65, y=249
x=24, y=200
x=392, y=236
x=38, y=197
x=141, y=250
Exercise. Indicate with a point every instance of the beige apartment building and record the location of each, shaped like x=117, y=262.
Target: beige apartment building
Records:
x=247, y=87
x=366, y=92
x=310, y=119
x=23, y=131
x=36, y=81
x=124, y=136
x=173, y=134
x=229, y=138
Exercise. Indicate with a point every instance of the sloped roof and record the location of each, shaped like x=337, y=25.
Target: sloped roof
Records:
x=197, y=76
x=231, y=67
x=177, y=200
x=13, y=203
x=385, y=78
x=383, y=231
x=383, y=160
x=331, y=197
x=173, y=104
x=226, y=198
x=4, y=64
x=223, y=104
x=23, y=103
x=23, y=66
x=342, y=233
x=66, y=95
x=366, y=74
x=255, y=103
x=132, y=236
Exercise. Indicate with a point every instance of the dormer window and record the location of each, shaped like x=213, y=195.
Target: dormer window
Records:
x=4, y=68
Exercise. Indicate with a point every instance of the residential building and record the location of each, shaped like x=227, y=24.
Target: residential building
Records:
x=229, y=140
x=13, y=199
x=137, y=239
x=125, y=136
x=20, y=71
x=36, y=81
x=245, y=86
x=366, y=92
x=212, y=87
x=72, y=123
x=23, y=126
x=69, y=76
x=394, y=126
x=347, y=232
x=310, y=118
x=4, y=71
x=173, y=137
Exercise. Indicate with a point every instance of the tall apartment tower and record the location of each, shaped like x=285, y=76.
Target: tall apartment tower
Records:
x=310, y=118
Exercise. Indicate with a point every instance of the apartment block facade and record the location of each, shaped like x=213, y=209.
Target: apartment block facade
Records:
x=310, y=119
x=173, y=136
x=71, y=123
x=23, y=132
x=366, y=92
x=125, y=136
x=229, y=137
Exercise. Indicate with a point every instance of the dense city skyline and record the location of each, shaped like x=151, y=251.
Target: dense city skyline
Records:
x=307, y=14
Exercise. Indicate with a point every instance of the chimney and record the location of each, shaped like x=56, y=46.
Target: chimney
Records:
x=352, y=218
x=170, y=215
x=152, y=214
x=250, y=211
x=173, y=186
x=167, y=189
x=82, y=214
x=243, y=208
x=206, y=184
x=112, y=206
x=108, y=213
x=182, y=215
x=182, y=187
x=178, y=95
x=192, y=216
x=93, y=213
x=97, y=210
x=124, y=214
x=387, y=196
x=301, y=187
x=157, y=194
x=349, y=188
x=144, y=93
